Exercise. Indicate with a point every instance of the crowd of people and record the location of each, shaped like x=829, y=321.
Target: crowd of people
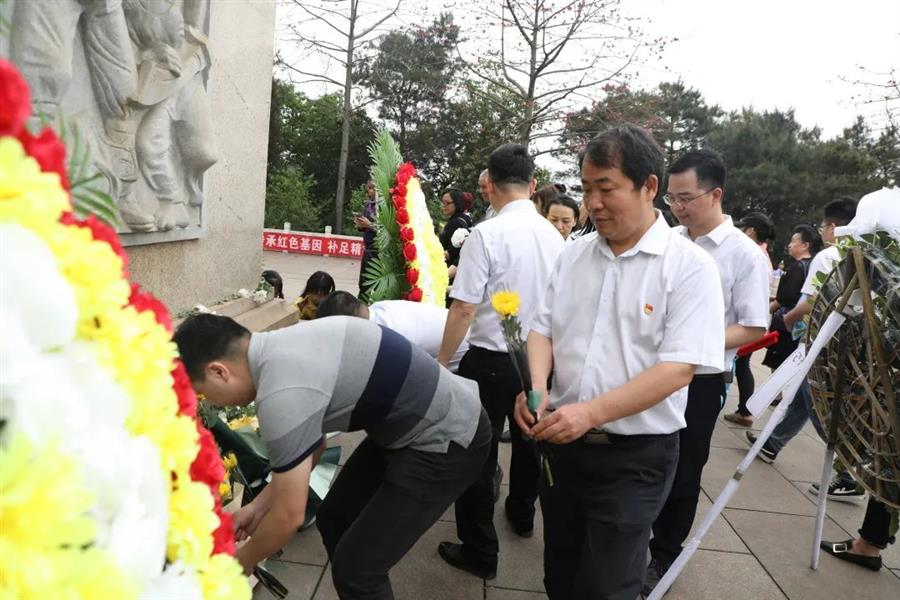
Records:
x=632, y=330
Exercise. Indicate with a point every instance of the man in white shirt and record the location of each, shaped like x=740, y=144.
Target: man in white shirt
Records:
x=696, y=187
x=421, y=324
x=515, y=250
x=483, y=189
x=631, y=311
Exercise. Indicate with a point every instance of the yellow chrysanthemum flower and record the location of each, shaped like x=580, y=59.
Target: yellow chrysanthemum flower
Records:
x=177, y=439
x=191, y=524
x=94, y=270
x=506, y=303
x=28, y=196
x=245, y=421
x=230, y=461
x=223, y=579
x=47, y=527
x=225, y=489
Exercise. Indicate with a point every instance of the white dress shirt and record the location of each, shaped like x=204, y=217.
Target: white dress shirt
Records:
x=744, y=273
x=422, y=324
x=515, y=251
x=823, y=262
x=610, y=318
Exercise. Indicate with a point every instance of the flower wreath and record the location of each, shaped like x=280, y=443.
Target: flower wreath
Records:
x=110, y=485
x=410, y=263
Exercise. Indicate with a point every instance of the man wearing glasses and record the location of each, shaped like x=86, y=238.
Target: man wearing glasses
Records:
x=695, y=189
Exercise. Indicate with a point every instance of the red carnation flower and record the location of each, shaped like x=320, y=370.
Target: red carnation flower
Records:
x=187, y=399
x=409, y=252
x=142, y=301
x=402, y=216
x=207, y=467
x=14, y=98
x=223, y=536
x=398, y=202
x=100, y=231
x=412, y=276
x=406, y=234
x=414, y=295
x=48, y=151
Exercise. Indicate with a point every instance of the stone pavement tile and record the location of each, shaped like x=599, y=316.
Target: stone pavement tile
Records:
x=504, y=594
x=296, y=269
x=801, y=459
x=423, y=574
x=300, y=580
x=720, y=536
x=782, y=545
x=762, y=487
x=715, y=575
x=521, y=561
x=306, y=548
x=849, y=515
x=724, y=436
x=896, y=572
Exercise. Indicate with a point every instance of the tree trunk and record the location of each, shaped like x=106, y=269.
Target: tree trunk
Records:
x=346, y=115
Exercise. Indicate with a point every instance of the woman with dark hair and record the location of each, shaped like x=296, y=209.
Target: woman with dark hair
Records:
x=562, y=212
x=805, y=243
x=318, y=286
x=454, y=204
x=543, y=195
x=274, y=279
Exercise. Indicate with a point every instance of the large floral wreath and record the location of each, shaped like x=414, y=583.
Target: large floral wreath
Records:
x=410, y=263
x=109, y=484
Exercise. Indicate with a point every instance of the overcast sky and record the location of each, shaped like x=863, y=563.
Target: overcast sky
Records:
x=761, y=53
x=776, y=53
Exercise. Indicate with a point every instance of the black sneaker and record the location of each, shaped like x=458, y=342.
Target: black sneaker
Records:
x=765, y=453
x=840, y=490
x=655, y=571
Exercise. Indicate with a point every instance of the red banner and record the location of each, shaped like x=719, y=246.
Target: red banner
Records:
x=300, y=242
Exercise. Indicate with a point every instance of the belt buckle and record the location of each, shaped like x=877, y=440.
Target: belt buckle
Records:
x=596, y=437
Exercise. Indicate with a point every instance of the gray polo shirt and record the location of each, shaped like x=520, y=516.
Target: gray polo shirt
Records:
x=348, y=374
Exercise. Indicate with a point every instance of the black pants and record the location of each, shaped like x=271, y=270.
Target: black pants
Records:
x=382, y=502
x=745, y=382
x=876, y=527
x=674, y=523
x=498, y=386
x=597, y=515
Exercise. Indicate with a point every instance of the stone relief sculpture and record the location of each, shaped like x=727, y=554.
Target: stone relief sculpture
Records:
x=146, y=63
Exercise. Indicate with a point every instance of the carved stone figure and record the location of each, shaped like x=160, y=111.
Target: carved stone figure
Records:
x=146, y=62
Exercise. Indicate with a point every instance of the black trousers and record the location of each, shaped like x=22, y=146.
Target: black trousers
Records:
x=876, y=527
x=745, y=382
x=673, y=525
x=382, y=502
x=597, y=515
x=498, y=386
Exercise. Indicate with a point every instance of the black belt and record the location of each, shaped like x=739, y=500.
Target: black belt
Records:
x=726, y=377
x=596, y=437
x=478, y=350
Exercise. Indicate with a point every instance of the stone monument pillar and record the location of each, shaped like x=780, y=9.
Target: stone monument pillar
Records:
x=172, y=97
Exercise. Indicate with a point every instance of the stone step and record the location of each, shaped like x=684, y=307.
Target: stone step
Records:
x=274, y=314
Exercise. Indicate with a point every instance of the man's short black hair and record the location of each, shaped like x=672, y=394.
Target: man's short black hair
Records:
x=761, y=223
x=840, y=211
x=628, y=148
x=204, y=338
x=511, y=164
x=706, y=163
x=339, y=303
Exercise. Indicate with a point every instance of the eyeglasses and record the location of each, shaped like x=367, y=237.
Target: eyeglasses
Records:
x=671, y=200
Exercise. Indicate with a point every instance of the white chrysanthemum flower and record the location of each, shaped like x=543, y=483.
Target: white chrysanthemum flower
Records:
x=32, y=288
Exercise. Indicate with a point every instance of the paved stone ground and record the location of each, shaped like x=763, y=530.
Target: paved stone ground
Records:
x=758, y=550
